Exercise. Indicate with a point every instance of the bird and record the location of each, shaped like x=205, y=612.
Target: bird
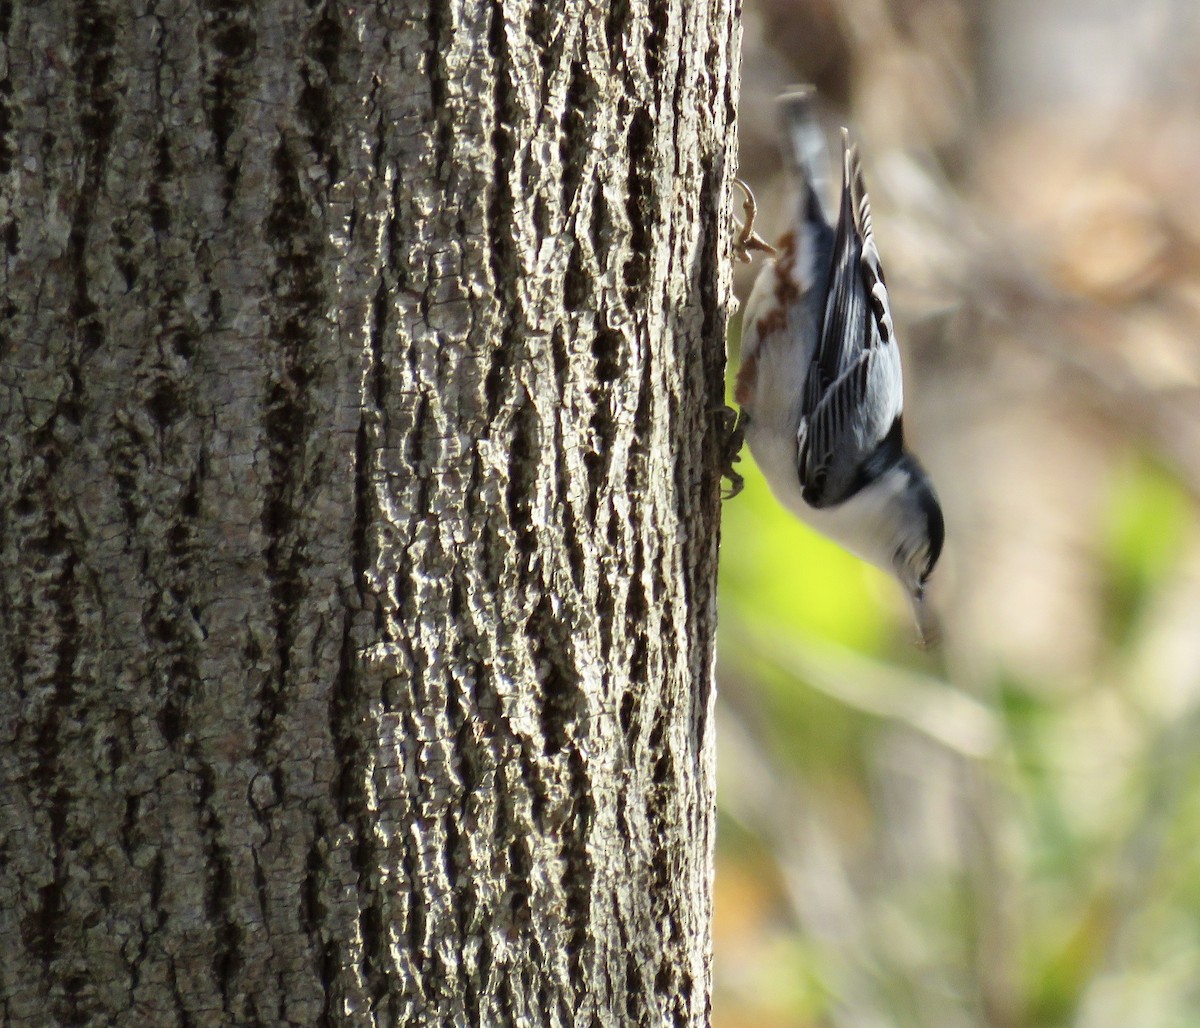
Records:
x=820, y=386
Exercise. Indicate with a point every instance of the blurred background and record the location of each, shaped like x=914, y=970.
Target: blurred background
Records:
x=1004, y=831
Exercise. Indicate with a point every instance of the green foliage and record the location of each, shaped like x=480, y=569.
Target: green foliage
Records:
x=937, y=849
x=1148, y=516
x=777, y=572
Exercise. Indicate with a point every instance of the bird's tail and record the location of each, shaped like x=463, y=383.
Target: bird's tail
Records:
x=804, y=148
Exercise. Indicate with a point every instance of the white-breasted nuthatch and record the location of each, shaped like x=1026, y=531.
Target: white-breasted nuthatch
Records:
x=820, y=386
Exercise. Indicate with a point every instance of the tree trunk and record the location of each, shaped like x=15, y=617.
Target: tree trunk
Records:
x=359, y=509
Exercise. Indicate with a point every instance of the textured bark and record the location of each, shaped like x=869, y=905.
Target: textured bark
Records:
x=358, y=509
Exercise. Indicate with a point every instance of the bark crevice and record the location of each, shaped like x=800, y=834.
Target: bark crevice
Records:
x=357, y=524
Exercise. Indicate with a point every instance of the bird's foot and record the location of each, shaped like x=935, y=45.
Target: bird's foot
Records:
x=747, y=239
x=733, y=434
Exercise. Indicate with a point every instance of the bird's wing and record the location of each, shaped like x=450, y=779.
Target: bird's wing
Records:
x=853, y=395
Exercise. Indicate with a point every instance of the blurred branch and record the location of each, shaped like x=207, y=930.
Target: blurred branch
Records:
x=943, y=714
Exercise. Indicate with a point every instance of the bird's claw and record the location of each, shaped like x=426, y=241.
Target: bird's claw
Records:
x=747, y=239
x=733, y=434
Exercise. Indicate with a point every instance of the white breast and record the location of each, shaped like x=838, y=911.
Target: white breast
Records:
x=866, y=524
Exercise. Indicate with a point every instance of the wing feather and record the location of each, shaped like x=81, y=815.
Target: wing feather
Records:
x=853, y=396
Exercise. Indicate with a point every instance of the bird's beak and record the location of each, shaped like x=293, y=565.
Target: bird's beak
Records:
x=928, y=630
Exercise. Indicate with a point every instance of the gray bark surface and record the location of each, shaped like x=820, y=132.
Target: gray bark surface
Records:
x=359, y=510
